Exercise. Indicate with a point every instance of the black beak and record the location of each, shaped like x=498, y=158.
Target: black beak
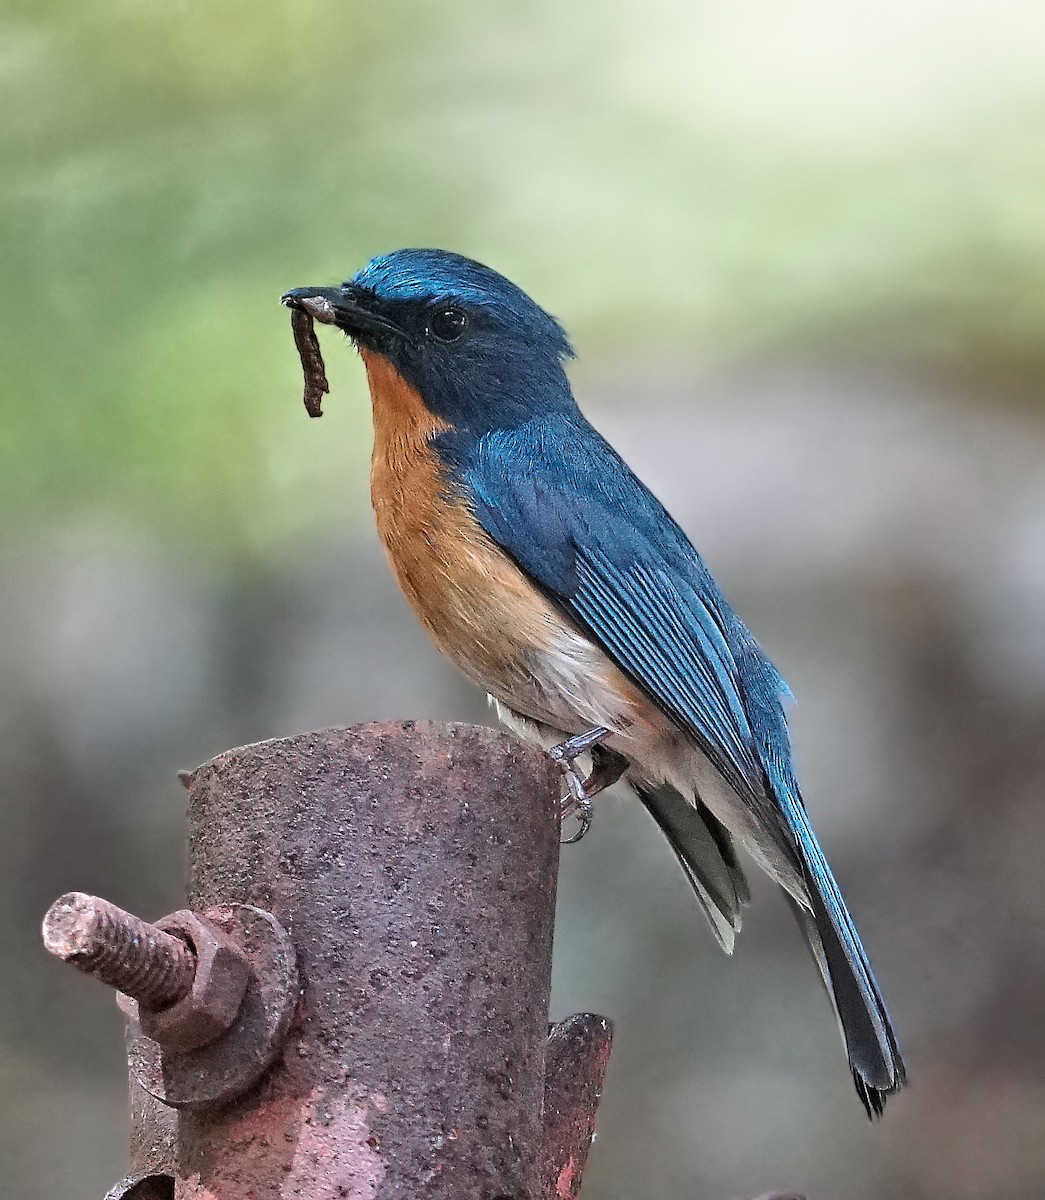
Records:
x=347, y=307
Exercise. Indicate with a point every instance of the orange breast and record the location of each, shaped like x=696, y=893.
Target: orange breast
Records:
x=478, y=607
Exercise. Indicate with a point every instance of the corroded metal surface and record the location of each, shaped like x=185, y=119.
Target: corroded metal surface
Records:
x=578, y=1054
x=154, y=1128
x=119, y=948
x=217, y=990
x=414, y=866
x=234, y=1021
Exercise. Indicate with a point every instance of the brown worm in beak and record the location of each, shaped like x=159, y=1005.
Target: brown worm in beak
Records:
x=316, y=386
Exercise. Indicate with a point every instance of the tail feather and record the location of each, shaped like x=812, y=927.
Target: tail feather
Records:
x=705, y=852
x=874, y=1055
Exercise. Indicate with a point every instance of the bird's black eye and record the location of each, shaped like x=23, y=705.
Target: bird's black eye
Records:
x=447, y=324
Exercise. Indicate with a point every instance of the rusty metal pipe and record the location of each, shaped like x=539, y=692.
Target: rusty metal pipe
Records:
x=414, y=866
x=575, y=1067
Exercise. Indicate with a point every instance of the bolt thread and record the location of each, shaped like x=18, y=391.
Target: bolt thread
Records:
x=123, y=951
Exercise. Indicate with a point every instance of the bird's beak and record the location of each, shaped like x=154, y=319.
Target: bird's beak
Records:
x=347, y=307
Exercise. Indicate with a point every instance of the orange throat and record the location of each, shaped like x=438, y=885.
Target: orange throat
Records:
x=408, y=487
x=474, y=602
x=401, y=419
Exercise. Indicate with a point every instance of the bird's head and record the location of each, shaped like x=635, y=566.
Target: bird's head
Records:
x=477, y=350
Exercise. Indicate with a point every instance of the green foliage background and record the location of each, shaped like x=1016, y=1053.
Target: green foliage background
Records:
x=701, y=180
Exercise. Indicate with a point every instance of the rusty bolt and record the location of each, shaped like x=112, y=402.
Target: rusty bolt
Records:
x=187, y=976
x=214, y=999
x=215, y=1073
x=128, y=954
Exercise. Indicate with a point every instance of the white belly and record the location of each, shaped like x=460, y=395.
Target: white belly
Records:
x=576, y=688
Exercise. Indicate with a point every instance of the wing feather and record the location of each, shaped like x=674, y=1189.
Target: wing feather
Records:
x=646, y=599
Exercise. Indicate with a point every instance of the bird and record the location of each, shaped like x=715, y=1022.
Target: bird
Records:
x=557, y=582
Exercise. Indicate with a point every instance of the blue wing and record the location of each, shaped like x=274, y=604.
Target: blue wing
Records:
x=602, y=546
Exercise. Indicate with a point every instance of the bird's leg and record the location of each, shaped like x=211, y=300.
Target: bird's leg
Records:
x=607, y=767
x=579, y=744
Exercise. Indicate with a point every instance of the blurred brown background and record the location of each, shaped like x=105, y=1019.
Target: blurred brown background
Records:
x=801, y=248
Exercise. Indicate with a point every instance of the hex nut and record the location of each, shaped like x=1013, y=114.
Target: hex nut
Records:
x=217, y=992
x=214, y=1074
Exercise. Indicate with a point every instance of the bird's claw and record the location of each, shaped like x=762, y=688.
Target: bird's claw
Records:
x=580, y=790
x=584, y=815
x=578, y=802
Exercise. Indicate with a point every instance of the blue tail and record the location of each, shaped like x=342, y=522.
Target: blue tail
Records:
x=874, y=1056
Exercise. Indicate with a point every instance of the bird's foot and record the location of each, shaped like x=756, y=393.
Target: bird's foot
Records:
x=607, y=767
x=577, y=803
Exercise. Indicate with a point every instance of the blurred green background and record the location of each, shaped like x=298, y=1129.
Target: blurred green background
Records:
x=801, y=249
